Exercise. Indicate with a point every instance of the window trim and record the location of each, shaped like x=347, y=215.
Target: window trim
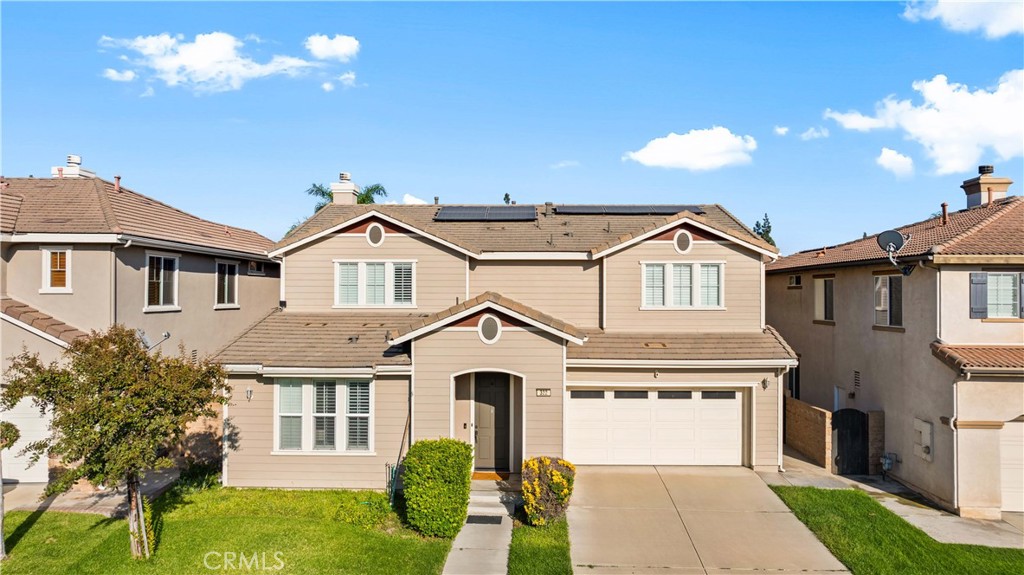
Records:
x=250, y=267
x=146, y=308
x=340, y=421
x=383, y=234
x=216, y=283
x=675, y=241
x=389, y=287
x=821, y=308
x=696, y=302
x=888, y=299
x=795, y=281
x=480, y=328
x=44, y=286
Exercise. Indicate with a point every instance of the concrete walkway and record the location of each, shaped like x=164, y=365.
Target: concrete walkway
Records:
x=481, y=548
x=939, y=524
x=111, y=503
x=696, y=520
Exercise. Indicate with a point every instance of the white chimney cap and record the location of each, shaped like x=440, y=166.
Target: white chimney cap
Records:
x=74, y=160
x=345, y=177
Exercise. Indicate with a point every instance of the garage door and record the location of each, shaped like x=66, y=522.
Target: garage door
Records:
x=32, y=428
x=1011, y=452
x=654, y=427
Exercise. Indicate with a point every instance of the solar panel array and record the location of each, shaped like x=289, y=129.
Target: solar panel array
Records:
x=626, y=210
x=486, y=214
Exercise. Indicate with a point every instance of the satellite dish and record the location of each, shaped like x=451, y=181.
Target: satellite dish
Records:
x=891, y=241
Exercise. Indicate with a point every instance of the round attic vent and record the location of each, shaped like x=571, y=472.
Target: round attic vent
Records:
x=682, y=241
x=489, y=329
x=375, y=234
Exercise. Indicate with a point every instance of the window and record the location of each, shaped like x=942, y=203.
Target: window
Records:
x=668, y=394
x=256, y=268
x=718, y=395
x=289, y=413
x=375, y=234
x=1004, y=295
x=325, y=406
x=318, y=416
x=824, y=299
x=161, y=282
x=227, y=285
x=56, y=270
x=586, y=394
x=793, y=381
x=357, y=414
x=630, y=394
x=376, y=284
x=796, y=281
x=489, y=329
x=889, y=300
x=682, y=285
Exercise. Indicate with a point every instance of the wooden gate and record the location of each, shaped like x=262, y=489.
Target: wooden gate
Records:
x=850, y=441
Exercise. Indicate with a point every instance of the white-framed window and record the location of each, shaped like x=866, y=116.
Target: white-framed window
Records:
x=489, y=328
x=375, y=234
x=795, y=281
x=226, y=292
x=256, y=268
x=683, y=285
x=889, y=300
x=824, y=299
x=1004, y=295
x=161, y=282
x=323, y=416
x=387, y=283
x=56, y=269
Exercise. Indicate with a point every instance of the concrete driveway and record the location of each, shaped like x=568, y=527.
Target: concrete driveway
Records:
x=687, y=520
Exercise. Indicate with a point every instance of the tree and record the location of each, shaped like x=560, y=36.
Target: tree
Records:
x=763, y=228
x=9, y=435
x=507, y=198
x=114, y=407
x=367, y=195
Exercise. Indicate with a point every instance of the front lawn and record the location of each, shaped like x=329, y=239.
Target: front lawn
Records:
x=540, y=550
x=870, y=539
x=254, y=530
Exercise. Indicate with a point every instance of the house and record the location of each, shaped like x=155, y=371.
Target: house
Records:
x=606, y=334
x=940, y=351
x=80, y=253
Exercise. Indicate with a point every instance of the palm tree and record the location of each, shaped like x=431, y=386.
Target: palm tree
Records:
x=367, y=195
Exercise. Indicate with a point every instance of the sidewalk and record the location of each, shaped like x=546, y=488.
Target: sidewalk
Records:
x=110, y=503
x=481, y=548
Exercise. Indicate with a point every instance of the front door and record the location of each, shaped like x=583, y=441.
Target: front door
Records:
x=492, y=421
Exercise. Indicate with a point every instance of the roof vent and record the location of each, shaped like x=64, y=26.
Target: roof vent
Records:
x=981, y=169
x=74, y=160
x=73, y=169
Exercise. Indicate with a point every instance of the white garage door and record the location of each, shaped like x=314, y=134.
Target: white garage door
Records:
x=33, y=428
x=654, y=427
x=1011, y=451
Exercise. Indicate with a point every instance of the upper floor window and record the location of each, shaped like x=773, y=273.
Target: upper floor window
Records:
x=889, y=300
x=683, y=285
x=56, y=269
x=824, y=299
x=161, y=282
x=997, y=294
x=256, y=268
x=227, y=285
x=796, y=281
x=375, y=283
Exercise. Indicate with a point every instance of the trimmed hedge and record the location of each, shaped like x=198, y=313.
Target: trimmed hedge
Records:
x=547, y=487
x=436, y=480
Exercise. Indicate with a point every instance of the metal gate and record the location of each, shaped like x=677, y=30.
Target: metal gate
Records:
x=850, y=441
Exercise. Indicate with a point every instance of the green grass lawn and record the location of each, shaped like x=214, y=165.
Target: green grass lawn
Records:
x=870, y=539
x=311, y=531
x=540, y=550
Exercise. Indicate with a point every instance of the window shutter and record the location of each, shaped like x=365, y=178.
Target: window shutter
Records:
x=403, y=283
x=896, y=300
x=830, y=314
x=979, y=295
x=1020, y=295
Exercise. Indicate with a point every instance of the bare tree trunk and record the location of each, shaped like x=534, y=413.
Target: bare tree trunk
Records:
x=133, y=517
x=142, y=521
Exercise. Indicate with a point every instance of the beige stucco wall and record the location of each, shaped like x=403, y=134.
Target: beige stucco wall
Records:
x=14, y=339
x=742, y=277
x=89, y=304
x=253, y=465
x=309, y=271
x=982, y=405
x=957, y=325
x=570, y=291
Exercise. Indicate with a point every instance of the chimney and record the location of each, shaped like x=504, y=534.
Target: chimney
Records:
x=945, y=213
x=117, y=183
x=437, y=200
x=985, y=188
x=344, y=191
x=74, y=169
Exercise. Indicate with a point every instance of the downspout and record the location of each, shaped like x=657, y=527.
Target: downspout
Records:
x=956, y=452
x=113, y=280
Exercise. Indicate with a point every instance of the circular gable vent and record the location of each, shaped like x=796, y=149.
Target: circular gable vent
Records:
x=682, y=241
x=375, y=234
x=489, y=329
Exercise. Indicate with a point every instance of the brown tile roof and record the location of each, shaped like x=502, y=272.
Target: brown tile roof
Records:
x=92, y=205
x=995, y=229
x=10, y=205
x=766, y=345
x=497, y=299
x=553, y=233
x=29, y=315
x=327, y=339
x=968, y=358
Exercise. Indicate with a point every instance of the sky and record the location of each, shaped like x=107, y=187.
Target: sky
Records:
x=835, y=119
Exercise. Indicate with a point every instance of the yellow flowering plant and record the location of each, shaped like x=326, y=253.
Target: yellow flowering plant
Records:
x=547, y=487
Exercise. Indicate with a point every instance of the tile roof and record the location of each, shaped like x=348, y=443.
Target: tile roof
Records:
x=498, y=299
x=93, y=206
x=325, y=339
x=29, y=315
x=758, y=345
x=552, y=233
x=968, y=358
x=994, y=229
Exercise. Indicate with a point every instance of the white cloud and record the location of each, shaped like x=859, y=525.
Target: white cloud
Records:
x=341, y=48
x=348, y=79
x=895, y=162
x=995, y=19
x=149, y=92
x=781, y=130
x=125, y=76
x=955, y=125
x=696, y=150
x=407, y=199
x=813, y=133
x=564, y=164
x=211, y=63
x=327, y=87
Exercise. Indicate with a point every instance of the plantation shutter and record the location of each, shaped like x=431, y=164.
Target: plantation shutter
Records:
x=375, y=284
x=58, y=269
x=655, y=285
x=348, y=284
x=896, y=300
x=324, y=407
x=403, y=283
x=682, y=284
x=358, y=415
x=710, y=278
x=290, y=410
x=979, y=295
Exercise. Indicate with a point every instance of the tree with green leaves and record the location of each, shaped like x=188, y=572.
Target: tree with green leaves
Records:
x=763, y=228
x=367, y=195
x=115, y=407
x=9, y=435
x=507, y=199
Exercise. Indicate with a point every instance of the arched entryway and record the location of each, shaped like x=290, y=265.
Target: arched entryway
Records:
x=487, y=413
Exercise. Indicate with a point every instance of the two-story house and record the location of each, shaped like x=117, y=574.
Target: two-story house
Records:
x=940, y=351
x=607, y=334
x=79, y=253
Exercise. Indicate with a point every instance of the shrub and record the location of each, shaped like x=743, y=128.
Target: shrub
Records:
x=547, y=487
x=436, y=482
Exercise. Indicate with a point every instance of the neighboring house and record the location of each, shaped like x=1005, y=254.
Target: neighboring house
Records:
x=619, y=334
x=940, y=351
x=80, y=253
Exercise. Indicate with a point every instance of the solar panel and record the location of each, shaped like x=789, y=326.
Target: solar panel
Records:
x=626, y=210
x=486, y=214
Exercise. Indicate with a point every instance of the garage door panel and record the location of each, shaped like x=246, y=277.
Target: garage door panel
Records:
x=32, y=427
x=629, y=415
x=668, y=415
x=1011, y=452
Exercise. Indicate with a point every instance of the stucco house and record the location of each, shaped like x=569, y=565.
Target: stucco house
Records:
x=607, y=334
x=79, y=253
x=940, y=351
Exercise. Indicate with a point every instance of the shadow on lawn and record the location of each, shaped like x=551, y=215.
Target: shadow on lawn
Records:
x=25, y=526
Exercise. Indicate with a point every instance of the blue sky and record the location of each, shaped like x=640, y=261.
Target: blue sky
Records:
x=595, y=103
